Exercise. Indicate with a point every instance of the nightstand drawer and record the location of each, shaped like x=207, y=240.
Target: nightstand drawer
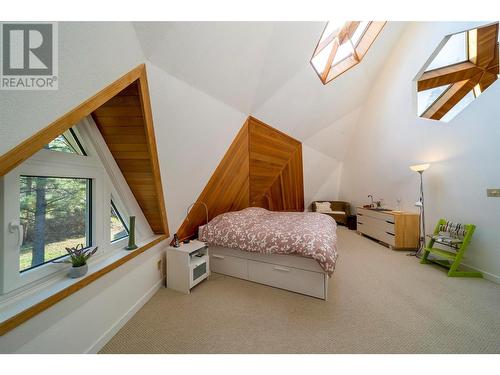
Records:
x=228, y=265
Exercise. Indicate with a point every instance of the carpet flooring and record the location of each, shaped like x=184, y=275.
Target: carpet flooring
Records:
x=379, y=301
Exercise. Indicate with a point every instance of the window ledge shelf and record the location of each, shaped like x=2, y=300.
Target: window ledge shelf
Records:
x=15, y=311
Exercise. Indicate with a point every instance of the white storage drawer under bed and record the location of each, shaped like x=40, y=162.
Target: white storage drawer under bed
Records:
x=294, y=279
x=229, y=265
x=290, y=272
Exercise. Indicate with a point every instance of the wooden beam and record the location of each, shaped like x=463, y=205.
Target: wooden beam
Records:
x=493, y=65
x=153, y=152
x=369, y=37
x=34, y=310
x=323, y=44
x=328, y=66
x=450, y=98
x=487, y=80
x=347, y=31
x=486, y=39
x=342, y=67
x=447, y=75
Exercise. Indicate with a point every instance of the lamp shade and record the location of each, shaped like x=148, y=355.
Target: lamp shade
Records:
x=419, y=167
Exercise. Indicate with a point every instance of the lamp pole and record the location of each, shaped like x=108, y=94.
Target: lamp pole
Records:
x=422, y=214
x=420, y=168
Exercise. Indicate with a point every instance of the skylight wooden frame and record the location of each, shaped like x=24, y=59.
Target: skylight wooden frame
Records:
x=332, y=71
x=480, y=69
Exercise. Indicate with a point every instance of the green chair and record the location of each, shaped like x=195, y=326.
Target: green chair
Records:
x=456, y=237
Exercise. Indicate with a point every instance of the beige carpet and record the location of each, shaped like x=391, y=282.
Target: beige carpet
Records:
x=380, y=301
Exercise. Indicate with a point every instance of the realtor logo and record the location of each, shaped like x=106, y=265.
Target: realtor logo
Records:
x=29, y=56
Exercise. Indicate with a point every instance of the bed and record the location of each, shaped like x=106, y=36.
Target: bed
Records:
x=296, y=251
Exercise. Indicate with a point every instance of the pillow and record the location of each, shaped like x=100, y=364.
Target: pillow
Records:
x=323, y=207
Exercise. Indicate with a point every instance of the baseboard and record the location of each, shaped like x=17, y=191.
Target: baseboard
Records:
x=101, y=341
x=486, y=275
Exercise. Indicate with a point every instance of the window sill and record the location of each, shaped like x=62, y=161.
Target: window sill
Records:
x=17, y=310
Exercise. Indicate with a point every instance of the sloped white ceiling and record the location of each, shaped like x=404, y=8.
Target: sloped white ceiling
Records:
x=263, y=69
x=335, y=139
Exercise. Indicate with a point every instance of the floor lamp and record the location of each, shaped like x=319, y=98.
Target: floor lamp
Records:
x=420, y=168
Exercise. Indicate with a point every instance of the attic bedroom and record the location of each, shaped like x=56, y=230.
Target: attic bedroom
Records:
x=250, y=187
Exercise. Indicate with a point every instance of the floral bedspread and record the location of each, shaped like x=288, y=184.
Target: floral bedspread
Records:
x=307, y=234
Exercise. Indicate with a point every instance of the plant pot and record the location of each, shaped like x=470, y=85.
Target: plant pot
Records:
x=76, y=272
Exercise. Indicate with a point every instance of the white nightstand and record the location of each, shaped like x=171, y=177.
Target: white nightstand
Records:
x=184, y=268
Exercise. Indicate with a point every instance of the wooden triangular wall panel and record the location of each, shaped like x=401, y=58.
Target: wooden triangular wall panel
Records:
x=122, y=121
x=262, y=168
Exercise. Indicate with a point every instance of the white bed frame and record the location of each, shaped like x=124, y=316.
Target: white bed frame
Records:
x=290, y=272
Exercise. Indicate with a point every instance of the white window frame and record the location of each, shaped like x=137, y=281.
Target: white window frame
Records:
x=105, y=179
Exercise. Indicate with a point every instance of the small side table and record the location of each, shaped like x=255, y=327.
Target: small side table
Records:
x=187, y=266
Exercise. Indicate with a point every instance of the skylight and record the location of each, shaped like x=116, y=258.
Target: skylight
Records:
x=454, y=51
x=342, y=45
x=463, y=67
x=457, y=108
x=428, y=97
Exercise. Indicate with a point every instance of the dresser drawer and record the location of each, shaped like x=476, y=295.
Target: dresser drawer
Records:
x=375, y=214
x=294, y=279
x=385, y=225
x=377, y=233
x=229, y=265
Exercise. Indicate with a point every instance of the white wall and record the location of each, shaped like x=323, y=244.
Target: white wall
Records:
x=193, y=132
x=86, y=320
x=464, y=153
x=321, y=176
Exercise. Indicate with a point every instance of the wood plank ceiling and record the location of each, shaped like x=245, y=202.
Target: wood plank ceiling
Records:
x=122, y=123
x=476, y=74
x=261, y=168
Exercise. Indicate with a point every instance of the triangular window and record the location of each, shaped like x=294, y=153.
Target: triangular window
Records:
x=68, y=142
x=119, y=229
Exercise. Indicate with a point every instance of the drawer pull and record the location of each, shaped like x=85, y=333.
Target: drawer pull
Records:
x=217, y=256
x=391, y=234
x=360, y=223
x=360, y=214
x=390, y=222
x=277, y=268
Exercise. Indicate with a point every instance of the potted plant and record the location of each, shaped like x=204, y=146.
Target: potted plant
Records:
x=78, y=257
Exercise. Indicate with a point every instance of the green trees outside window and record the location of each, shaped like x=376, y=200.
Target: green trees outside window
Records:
x=55, y=214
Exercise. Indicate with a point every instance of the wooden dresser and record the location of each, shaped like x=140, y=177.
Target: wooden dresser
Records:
x=397, y=229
